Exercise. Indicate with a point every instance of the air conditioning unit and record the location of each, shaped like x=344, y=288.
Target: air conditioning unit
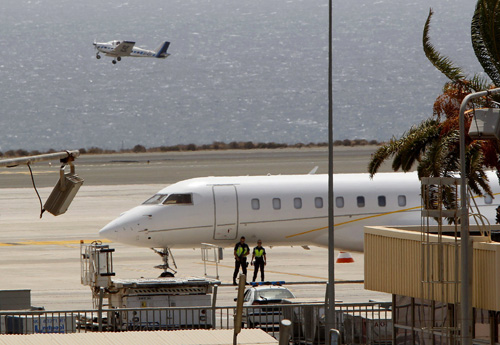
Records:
x=63, y=193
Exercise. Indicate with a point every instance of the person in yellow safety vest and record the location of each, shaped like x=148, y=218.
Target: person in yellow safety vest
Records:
x=241, y=251
x=259, y=253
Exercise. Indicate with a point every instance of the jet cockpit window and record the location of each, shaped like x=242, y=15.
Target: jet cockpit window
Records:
x=155, y=199
x=184, y=199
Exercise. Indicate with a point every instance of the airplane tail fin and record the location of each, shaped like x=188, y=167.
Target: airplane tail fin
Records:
x=161, y=51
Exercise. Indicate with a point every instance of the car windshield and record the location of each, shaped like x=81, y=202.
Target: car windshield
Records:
x=274, y=294
x=155, y=199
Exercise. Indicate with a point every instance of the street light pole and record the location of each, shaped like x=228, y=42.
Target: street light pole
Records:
x=465, y=243
x=330, y=293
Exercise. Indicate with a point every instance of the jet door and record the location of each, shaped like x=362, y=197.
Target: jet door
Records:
x=226, y=212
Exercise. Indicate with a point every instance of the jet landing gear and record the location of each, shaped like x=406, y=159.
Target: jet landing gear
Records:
x=97, y=56
x=167, y=270
x=118, y=58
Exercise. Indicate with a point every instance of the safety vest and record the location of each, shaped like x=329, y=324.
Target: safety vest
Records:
x=259, y=252
x=241, y=250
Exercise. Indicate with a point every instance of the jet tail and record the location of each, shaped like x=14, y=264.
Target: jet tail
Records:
x=161, y=51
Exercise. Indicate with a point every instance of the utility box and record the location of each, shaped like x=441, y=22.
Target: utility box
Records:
x=163, y=318
x=15, y=299
x=63, y=194
x=485, y=124
x=165, y=295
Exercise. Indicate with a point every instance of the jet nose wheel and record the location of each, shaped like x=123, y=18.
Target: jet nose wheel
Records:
x=97, y=56
x=114, y=62
x=167, y=270
x=119, y=58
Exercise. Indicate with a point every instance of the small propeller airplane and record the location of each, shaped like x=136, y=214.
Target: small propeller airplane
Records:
x=117, y=49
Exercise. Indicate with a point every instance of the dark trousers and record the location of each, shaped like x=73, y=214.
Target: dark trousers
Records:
x=258, y=264
x=237, y=263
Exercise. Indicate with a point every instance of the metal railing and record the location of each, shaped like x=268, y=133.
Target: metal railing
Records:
x=359, y=323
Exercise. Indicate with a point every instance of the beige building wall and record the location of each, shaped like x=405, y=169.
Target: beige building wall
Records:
x=403, y=262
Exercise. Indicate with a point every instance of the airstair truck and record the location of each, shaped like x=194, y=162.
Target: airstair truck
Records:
x=156, y=303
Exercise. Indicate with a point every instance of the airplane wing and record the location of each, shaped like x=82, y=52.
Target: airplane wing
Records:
x=123, y=49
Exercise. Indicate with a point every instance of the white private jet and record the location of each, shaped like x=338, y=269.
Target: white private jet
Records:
x=118, y=49
x=281, y=210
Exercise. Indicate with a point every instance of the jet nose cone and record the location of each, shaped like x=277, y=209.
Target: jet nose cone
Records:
x=109, y=231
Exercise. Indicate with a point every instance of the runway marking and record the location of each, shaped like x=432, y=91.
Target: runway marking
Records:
x=26, y=172
x=49, y=243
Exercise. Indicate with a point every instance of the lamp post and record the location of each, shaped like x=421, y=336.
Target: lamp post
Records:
x=465, y=243
x=330, y=293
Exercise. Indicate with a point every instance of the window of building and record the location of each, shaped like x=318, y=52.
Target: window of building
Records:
x=277, y=203
x=381, y=201
x=318, y=202
x=255, y=204
x=186, y=199
x=339, y=201
x=297, y=203
x=402, y=200
x=360, y=200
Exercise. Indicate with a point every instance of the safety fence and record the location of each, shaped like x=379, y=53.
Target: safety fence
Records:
x=359, y=323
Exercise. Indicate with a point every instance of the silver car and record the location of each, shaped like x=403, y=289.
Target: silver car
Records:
x=263, y=313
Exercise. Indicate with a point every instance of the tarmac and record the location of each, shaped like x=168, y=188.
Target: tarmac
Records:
x=43, y=255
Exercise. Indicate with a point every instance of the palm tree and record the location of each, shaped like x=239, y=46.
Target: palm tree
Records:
x=433, y=145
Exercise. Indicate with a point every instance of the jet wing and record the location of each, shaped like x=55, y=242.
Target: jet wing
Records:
x=123, y=49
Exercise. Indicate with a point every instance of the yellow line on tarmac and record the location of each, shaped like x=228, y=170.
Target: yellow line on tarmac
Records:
x=48, y=243
x=27, y=172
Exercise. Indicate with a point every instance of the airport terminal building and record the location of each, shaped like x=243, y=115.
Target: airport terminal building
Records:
x=421, y=271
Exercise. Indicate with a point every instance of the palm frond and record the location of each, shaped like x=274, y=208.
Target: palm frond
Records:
x=485, y=36
x=414, y=143
x=479, y=83
x=407, y=149
x=381, y=155
x=442, y=63
x=476, y=176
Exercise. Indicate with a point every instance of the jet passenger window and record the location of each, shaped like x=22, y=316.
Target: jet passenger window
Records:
x=361, y=201
x=402, y=200
x=339, y=201
x=381, y=201
x=318, y=202
x=488, y=199
x=185, y=199
x=297, y=203
x=255, y=204
x=155, y=199
x=277, y=203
